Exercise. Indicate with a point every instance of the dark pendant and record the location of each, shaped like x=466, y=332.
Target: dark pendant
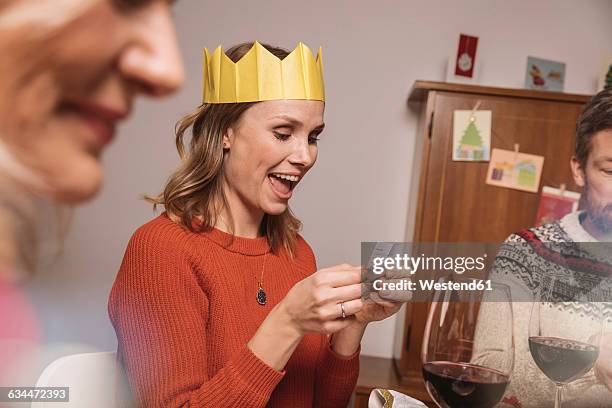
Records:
x=261, y=296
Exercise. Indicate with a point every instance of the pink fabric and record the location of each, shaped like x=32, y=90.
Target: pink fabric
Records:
x=19, y=325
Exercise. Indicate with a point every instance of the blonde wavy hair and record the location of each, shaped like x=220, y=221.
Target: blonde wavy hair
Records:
x=195, y=189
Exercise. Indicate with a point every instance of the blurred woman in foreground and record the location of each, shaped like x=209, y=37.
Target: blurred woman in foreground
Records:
x=69, y=73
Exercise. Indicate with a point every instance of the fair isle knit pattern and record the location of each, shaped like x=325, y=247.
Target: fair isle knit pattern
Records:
x=563, y=253
x=580, y=271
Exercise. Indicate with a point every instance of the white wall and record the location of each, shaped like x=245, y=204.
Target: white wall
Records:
x=359, y=189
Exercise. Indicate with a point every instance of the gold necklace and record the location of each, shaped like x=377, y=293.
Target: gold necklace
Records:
x=261, y=293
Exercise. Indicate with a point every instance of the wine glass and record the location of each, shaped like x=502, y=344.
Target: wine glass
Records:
x=564, y=351
x=468, y=346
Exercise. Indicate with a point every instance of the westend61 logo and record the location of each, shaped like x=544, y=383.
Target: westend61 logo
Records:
x=411, y=264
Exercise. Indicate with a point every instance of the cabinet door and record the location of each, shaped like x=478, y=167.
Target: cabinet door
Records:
x=455, y=203
x=458, y=205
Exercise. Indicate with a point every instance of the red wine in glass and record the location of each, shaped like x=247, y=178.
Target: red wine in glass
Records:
x=463, y=364
x=562, y=360
x=564, y=353
x=464, y=385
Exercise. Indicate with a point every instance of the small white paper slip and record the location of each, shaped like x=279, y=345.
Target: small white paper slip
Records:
x=380, y=398
x=381, y=250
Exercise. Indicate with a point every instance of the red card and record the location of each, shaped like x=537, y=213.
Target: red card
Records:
x=466, y=56
x=554, y=205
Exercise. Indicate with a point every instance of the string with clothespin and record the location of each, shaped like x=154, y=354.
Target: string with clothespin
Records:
x=516, y=152
x=494, y=134
x=474, y=109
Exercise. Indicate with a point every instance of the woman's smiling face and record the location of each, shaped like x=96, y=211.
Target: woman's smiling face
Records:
x=63, y=91
x=268, y=151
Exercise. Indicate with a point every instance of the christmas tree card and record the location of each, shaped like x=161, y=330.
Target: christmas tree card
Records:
x=512, y=169
x=471, y=135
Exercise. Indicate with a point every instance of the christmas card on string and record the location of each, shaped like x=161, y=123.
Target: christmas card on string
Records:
x=471, y=135
x=555, y=203
x=512, y=169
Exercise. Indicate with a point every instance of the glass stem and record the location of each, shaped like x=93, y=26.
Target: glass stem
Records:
x=558, y=390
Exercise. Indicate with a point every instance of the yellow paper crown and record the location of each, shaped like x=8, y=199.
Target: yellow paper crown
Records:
x=261, y=76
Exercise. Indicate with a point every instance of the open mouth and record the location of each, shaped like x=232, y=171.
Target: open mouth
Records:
x=283, y=183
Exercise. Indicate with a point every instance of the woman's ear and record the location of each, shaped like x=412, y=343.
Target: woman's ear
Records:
x=577, y=171
x=227, y=139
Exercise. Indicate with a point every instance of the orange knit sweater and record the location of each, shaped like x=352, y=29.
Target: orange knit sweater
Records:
x=184, y=307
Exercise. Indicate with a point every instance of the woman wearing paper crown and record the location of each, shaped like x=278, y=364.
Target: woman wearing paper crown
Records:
x=218, y=302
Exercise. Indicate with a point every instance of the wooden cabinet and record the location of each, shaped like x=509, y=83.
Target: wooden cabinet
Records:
x=454, y=204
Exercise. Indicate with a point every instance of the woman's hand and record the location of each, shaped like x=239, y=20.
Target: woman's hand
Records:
x=381, y=304
x=346, y=341
x=314, y=303
x=376, y=310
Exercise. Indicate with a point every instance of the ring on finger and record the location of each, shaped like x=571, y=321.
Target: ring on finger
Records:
x=343, y=311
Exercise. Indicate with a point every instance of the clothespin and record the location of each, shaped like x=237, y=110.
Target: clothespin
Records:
x=516, y=152
x=474, y=109
x=562, y=189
